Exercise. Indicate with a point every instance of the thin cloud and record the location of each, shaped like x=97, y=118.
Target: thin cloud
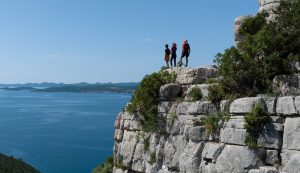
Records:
x=53, y=56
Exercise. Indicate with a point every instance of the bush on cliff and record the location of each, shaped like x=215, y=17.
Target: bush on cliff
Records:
x=12, y=165
x=106, y=167
x=254, y=124
x=265, y=51
x=195, y=94
x=145, y=99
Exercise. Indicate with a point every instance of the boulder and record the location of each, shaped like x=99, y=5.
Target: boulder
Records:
x=270, y=139
x=286, y=106
x=169, y=91
x=187, y=76
x=238, y=159
x=211, y=151
x=287, y=85
x=291, y=161
x=245, y=105
x=196, y=108
x=291, y=134
x=190, y=159
x=233, y=131
x=173, y=148
x=233, y=136
x=128, y=146
x=198, y=133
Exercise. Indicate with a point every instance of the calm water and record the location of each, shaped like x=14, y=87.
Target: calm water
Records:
x=59, y=132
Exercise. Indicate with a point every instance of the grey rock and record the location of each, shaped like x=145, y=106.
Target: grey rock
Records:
x=291, y=161
x=245, y=105
x=173, y=148
x=164, y=106
x=274, y=126
x=211, y=151
x=286, y=106
x=236, y=122
x=190, y=159
x=118, y=121
x=138, y=165
x=233, y=136
x=291, y=134
x=297, y=103
x=198, y=133
x=118, y=135
x=224, y=105
x=276, y=119
x=196, y=108
x=128, y=146
x=193, y=75
x=272, y=157
x=270, y=139
x=169, y=91
x=270, y=104
x=264, y=169
x=237, y=25
x=286, y=85
x=238, y=159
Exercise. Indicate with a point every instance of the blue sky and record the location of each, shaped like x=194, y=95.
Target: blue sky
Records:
x=109, y=40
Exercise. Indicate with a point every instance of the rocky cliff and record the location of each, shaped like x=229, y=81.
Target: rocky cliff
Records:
x=189, y=145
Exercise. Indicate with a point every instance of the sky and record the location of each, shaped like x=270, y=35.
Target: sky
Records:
x=109, y=40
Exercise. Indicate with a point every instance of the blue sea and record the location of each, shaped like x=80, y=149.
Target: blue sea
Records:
x=59, y=132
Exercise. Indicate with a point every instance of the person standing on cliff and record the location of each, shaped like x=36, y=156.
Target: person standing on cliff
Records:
x=167, y=55
x=186, y=50
x=173, y=54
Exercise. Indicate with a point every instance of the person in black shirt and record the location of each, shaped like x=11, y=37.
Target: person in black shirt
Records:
x=173, y=54
x=167, y=54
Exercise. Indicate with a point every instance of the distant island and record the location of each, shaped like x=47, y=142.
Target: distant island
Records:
x=77, y=87
x=9, y=164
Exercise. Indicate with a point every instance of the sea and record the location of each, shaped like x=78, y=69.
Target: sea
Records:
x=59, y=132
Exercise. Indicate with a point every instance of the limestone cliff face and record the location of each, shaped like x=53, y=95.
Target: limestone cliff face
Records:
x=187, y=146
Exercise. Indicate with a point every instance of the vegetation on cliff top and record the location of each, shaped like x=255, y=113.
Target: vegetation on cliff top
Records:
x=266, y=50
x=12, y=165
x=145, y=98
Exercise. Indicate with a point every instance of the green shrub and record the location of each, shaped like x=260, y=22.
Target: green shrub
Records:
x=216, y=93
x=211, y=122
x=195, y=94
x=152, y=158
x=146, y=143
x=106, y=167
x=265, y=51
x=145, y=99
x=254, y=124
x=211, y=80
